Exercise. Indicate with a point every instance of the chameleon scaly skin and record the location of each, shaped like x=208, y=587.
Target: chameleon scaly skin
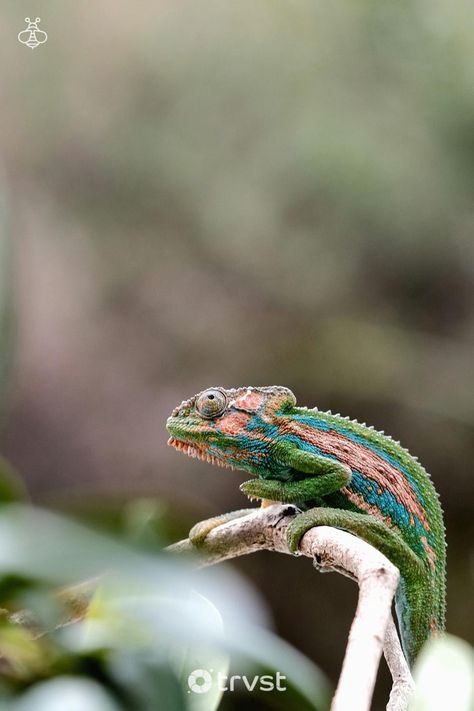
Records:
x=340, y=473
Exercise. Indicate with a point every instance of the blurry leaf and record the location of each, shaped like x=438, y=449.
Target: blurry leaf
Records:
x=110, y=623
x=21, y=656
x=66, y=693
x=145, y=683
x=157, y=612
x=194, y=659
x=444, y=676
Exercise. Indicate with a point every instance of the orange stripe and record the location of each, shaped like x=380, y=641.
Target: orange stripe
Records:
x=361, y=503
x=363, y=459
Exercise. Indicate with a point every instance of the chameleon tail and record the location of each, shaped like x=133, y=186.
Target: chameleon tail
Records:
x=419, y=604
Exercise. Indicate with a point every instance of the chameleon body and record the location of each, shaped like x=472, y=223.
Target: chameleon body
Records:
x=339, y=473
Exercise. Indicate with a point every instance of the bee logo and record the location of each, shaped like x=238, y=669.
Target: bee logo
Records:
x=32, y=36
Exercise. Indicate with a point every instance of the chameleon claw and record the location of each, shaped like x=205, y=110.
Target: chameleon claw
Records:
x=295, y=533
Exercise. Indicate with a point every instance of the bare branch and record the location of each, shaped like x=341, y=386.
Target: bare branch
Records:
x=403, y=684
x=331, y=549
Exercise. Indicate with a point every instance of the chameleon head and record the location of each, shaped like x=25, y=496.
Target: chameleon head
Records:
x=231, y=428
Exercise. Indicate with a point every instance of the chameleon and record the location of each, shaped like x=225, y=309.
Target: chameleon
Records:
x=337, y=472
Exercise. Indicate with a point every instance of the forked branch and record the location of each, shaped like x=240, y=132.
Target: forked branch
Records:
x=372, y=629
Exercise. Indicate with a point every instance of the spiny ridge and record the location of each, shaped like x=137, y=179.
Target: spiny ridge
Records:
x=197, y=452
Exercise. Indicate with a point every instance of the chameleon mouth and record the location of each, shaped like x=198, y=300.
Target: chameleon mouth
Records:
x=197, y=452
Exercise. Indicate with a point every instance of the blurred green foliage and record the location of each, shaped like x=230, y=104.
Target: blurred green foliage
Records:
x=444, y=675
x=238, y=193
x=136, y=627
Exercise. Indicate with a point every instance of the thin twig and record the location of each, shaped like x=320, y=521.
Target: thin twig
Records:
x=403, y=684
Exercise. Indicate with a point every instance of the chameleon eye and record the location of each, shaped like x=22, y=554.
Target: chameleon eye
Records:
x=211, y=403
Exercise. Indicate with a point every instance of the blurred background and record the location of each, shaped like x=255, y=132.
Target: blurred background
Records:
x=237, y=193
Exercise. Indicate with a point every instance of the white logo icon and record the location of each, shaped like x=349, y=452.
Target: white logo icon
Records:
x=200, y=681
x=32, y=36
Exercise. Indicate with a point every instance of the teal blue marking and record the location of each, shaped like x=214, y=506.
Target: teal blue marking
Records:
x=322, y=425
x=387, y=504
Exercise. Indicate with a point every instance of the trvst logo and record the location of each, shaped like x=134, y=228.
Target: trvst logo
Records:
x=201, y=680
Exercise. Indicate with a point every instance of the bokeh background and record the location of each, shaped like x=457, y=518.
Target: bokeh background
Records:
x=238, y=193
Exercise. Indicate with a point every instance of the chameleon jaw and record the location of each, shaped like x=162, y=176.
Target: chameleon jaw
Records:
x=197, y=452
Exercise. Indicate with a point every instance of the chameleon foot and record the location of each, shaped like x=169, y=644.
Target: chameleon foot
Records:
x=262, y=489
x=298, y=527
x=364, y=526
